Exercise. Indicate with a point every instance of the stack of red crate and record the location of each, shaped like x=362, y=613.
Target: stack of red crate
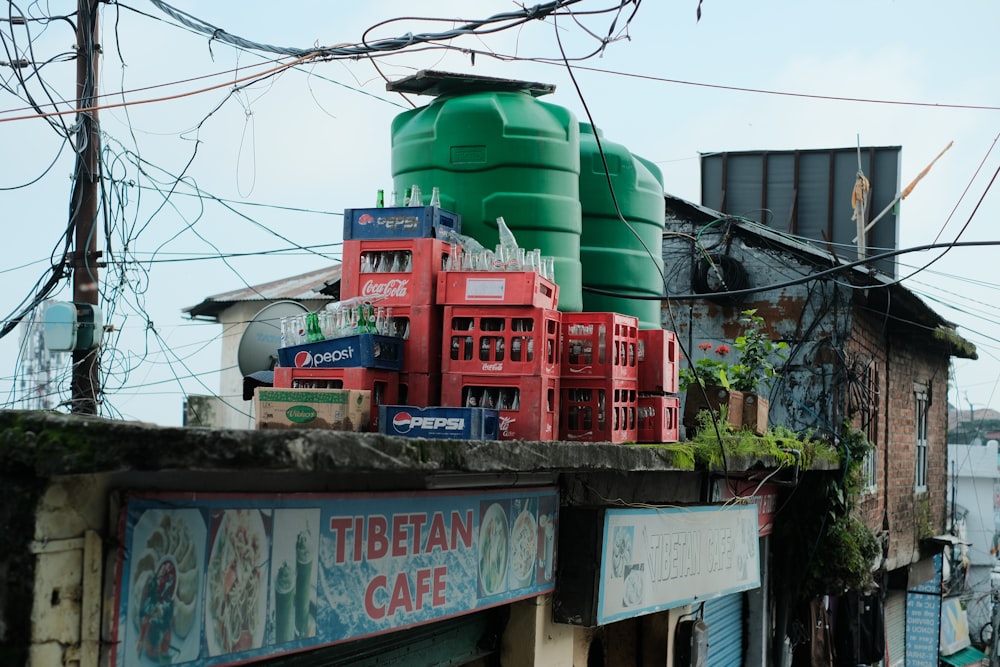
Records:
x=391, y=256
x=659, y=407
x=505, y=356
x=600, y=370
x=401, y=274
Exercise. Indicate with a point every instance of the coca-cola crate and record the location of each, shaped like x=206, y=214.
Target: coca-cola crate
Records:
x=600, y=345
x=528, y=405
x=420, y=327
x=398, y=222
x=358, y=351
x=659, y=418
x=393, y=272
x=497, y=288
x=420, y=389
x=598, y=410
x=383, y=384
x=658, y=361
x=509, y=340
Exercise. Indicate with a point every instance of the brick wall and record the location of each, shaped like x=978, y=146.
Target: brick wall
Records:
x=905, y=363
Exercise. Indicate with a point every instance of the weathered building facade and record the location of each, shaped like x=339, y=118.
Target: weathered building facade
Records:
x=862, y=351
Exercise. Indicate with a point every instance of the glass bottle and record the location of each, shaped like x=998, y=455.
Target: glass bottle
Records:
x=314, y=333
x=436, y=196
x=380, y=199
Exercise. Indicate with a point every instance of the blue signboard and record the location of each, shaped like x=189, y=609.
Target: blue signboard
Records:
x=659, y=558
x=923, y=620
x=219, y=579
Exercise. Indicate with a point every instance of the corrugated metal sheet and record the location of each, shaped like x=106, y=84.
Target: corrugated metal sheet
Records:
x=808, y=193
x=318, y=284
x=724, y=617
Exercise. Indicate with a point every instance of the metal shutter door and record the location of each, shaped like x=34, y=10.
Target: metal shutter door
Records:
x=895, y=628
x=724, y=617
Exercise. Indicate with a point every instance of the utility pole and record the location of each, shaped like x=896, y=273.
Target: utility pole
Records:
x=83, y=207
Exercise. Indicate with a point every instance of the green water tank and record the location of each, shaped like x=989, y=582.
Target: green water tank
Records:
x=495, y=150
x=613, y=256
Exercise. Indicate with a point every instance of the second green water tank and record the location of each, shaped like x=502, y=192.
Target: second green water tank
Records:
x=615, y=258
x=500, y=153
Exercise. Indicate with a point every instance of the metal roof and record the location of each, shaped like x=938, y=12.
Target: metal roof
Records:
x=318, y=284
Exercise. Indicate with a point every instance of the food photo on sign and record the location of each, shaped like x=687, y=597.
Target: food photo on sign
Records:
x=237, y=581
x=164, y=587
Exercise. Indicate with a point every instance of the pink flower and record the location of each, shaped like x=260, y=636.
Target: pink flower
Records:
x=722, y=350
x=704, y=347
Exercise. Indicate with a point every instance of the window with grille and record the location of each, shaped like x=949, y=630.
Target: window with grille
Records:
x=921, y=405
x=869, y=416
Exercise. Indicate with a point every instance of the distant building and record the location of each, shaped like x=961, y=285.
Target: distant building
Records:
x=234, y=310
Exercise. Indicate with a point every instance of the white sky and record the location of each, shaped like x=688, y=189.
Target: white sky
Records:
x=318, y=139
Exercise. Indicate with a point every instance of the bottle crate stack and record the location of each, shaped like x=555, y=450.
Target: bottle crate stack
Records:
x=435, y=334
x=384, y=336
x=600, y=377
x=501, y=347
x=659, y=405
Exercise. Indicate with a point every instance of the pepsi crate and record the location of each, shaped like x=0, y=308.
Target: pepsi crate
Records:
x=659, y=418
x=528, y=405
x=359, y=351
x=598, y=410
x=383, y=384
x=439, y=422
x=504, y=341
x=393, y=272
x=600, y=345
x=496, y=288
x=420, y=389
x=399, y=222
x=658, y=361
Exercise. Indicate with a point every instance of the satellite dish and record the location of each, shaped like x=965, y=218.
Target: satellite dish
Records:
x=258, y=349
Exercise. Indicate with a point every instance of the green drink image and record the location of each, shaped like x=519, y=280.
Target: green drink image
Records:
x=303, y=581
x=284, y=604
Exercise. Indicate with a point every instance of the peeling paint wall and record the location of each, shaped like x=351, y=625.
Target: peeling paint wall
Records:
x=843, y=359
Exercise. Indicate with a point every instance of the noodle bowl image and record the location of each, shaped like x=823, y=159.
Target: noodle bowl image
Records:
x=493, y=550
x=235, y=603
x=523, y=549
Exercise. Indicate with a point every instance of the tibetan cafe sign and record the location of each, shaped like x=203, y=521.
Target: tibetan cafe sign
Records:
x=653, y=559
x=207, y=579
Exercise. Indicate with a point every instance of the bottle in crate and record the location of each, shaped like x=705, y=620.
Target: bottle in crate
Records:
x=399, y=272
x=528, y=405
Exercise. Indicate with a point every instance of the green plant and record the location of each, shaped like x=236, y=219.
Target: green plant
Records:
x=754, y=360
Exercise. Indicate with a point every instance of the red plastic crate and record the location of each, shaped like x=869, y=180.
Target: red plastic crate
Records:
x=658, y=361
x=536, y=415
x=598, y=410
x=496, y=288
x=396, y=287
x=600, y=345
x=659, y=417
x=420, y=327
x=504, y=341
x=422, y=390
x=383, y=384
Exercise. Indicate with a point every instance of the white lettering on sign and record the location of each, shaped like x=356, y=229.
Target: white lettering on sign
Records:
x=390, y=288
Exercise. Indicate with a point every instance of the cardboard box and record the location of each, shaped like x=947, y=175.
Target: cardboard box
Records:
x=334, y=409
